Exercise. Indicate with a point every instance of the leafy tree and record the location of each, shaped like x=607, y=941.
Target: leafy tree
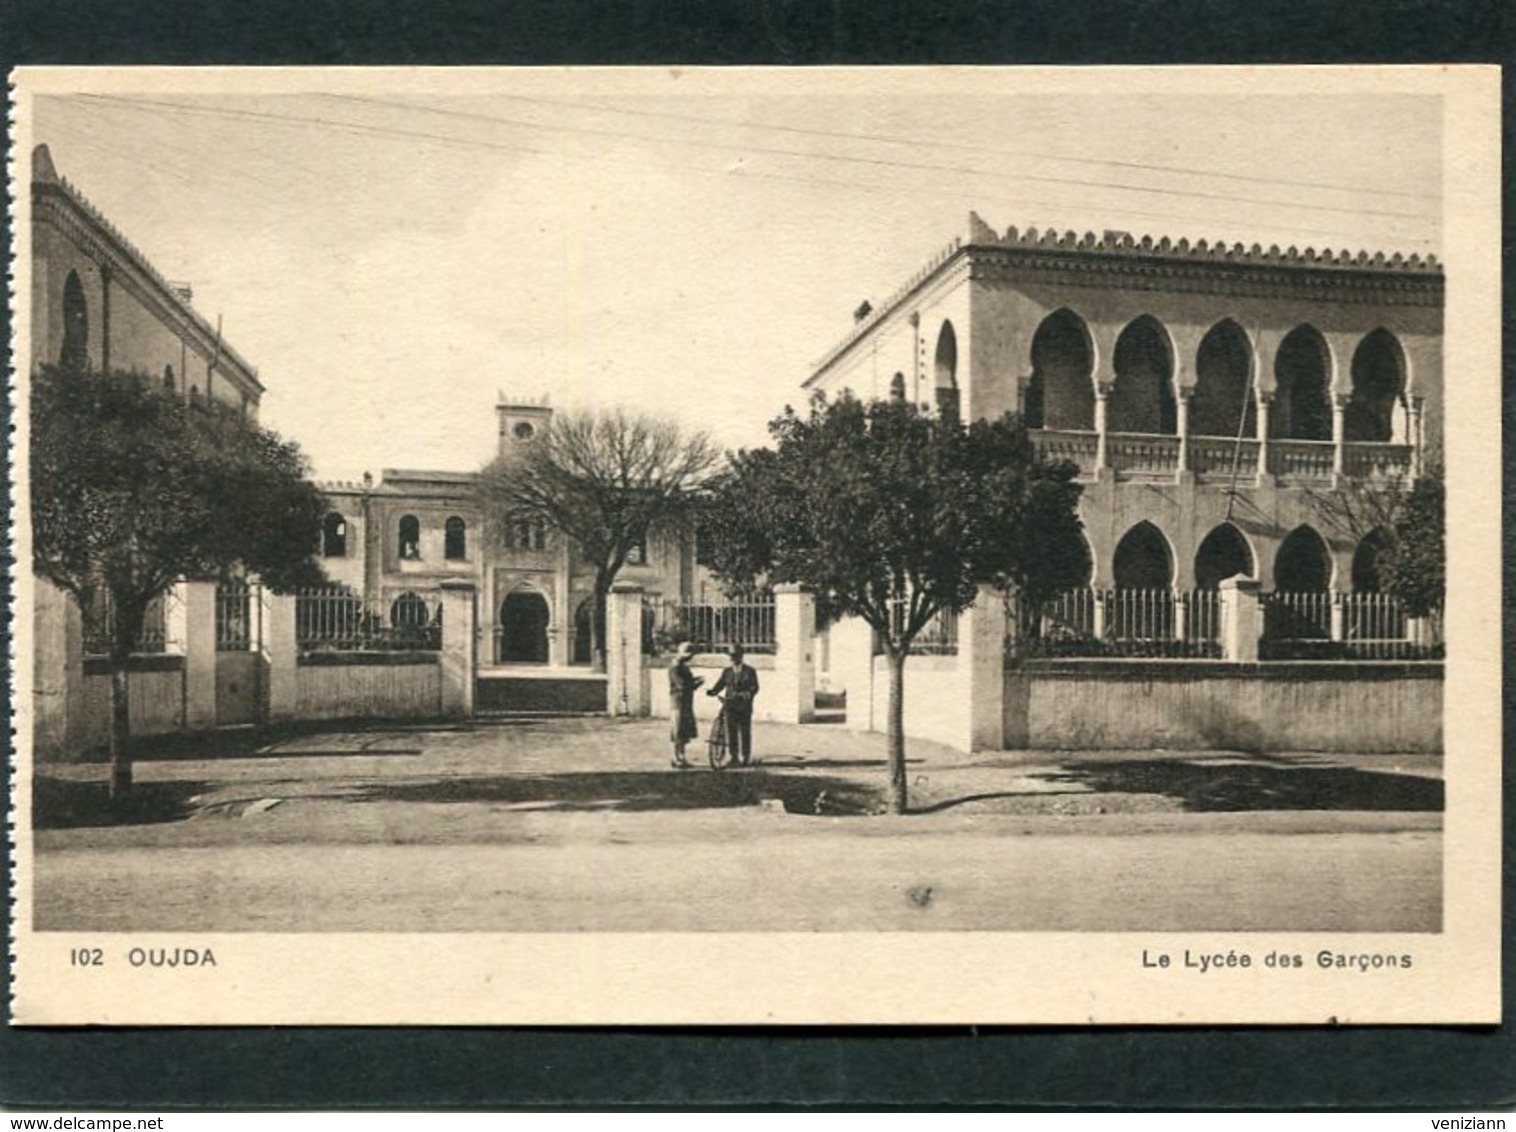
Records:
x=608, y=480
x=1416, y=572
x=1409, y=518
x=895, y=516
x=132, y=489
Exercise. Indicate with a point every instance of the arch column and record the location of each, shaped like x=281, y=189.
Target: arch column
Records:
x=1182, y=427
x=1415, y=439
x=1265, y=475
x=1339, y=435
x=1102, y=444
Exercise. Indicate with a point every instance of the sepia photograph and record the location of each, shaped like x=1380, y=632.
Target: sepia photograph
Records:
x=647, y=545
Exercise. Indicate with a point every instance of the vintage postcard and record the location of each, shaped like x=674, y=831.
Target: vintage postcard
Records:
x=611, y=546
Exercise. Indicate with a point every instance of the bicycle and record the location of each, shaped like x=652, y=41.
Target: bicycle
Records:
x=718, y=746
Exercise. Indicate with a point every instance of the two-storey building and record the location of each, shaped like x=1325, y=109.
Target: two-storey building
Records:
x=401, y=537
x=1215, y=397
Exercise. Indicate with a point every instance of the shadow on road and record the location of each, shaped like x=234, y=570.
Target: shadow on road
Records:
x=1203, y=787
x=638, y=791
x=60, y=803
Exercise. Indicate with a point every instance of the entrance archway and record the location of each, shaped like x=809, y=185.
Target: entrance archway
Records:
x=1223, y=554
x=523, y=628
x=1060, y=394
x=1142, y=399
x=1302, y=405
x=1303, y=564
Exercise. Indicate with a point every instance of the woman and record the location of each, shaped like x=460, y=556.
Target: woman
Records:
x=682, y=685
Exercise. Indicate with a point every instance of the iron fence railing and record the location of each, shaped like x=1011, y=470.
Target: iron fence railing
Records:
x=938, y=637
x=1116, y=623
x=238, y=605
x=100, y=628
x=334, y=619
x=1295, y=617
x=1319, y=625
x=710, y=626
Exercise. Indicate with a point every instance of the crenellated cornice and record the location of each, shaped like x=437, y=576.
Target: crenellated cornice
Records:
x=1119, y=259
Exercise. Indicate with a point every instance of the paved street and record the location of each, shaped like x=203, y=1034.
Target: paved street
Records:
x=580, y=825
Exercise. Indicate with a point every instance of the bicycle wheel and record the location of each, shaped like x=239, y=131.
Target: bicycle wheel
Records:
x=716, y=747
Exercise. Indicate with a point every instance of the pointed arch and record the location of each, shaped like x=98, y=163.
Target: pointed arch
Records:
x=1224, y=553
x=1303, y=564
x=1142, y=399
x=945, y=371
x=1223, y=376
x=1303, y=382
x=1061, y=391
x=1379, y=373
x=1144, y=560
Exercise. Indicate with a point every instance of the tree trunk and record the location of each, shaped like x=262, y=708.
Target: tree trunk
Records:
x=127, y=634
x=121, y=728
x=895, y=733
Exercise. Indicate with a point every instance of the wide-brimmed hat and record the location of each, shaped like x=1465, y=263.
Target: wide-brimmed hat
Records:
x=684, y=651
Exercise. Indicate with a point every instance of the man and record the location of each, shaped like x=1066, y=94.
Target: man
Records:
x=740, y=683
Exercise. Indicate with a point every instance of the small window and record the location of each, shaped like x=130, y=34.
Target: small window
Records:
x=455, y=539
x=526, y=534
x=524, y=430
x=897, y=387
x=410, y=537
x=636, y=554
x=334, y=536
x=168, y=378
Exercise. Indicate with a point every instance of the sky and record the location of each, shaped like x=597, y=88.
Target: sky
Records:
x=394, y=249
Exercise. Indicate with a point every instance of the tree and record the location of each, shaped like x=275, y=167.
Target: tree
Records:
x=895, y=516
x=607, y=480
x=132, y=490
x=1416, y=573
x=1409, y=518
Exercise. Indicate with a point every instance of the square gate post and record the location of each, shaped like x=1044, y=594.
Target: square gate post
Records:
x=458, y=649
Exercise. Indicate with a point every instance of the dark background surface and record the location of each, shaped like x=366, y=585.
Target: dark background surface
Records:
x=1440, y=1068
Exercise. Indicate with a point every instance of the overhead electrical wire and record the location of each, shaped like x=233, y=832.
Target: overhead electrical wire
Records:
x=369, y=129
x=918, y=143
x=918, y=166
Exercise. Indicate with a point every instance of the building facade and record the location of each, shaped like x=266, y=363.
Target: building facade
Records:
x=402, y=537
x=1217, y=399
x=98, y=302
